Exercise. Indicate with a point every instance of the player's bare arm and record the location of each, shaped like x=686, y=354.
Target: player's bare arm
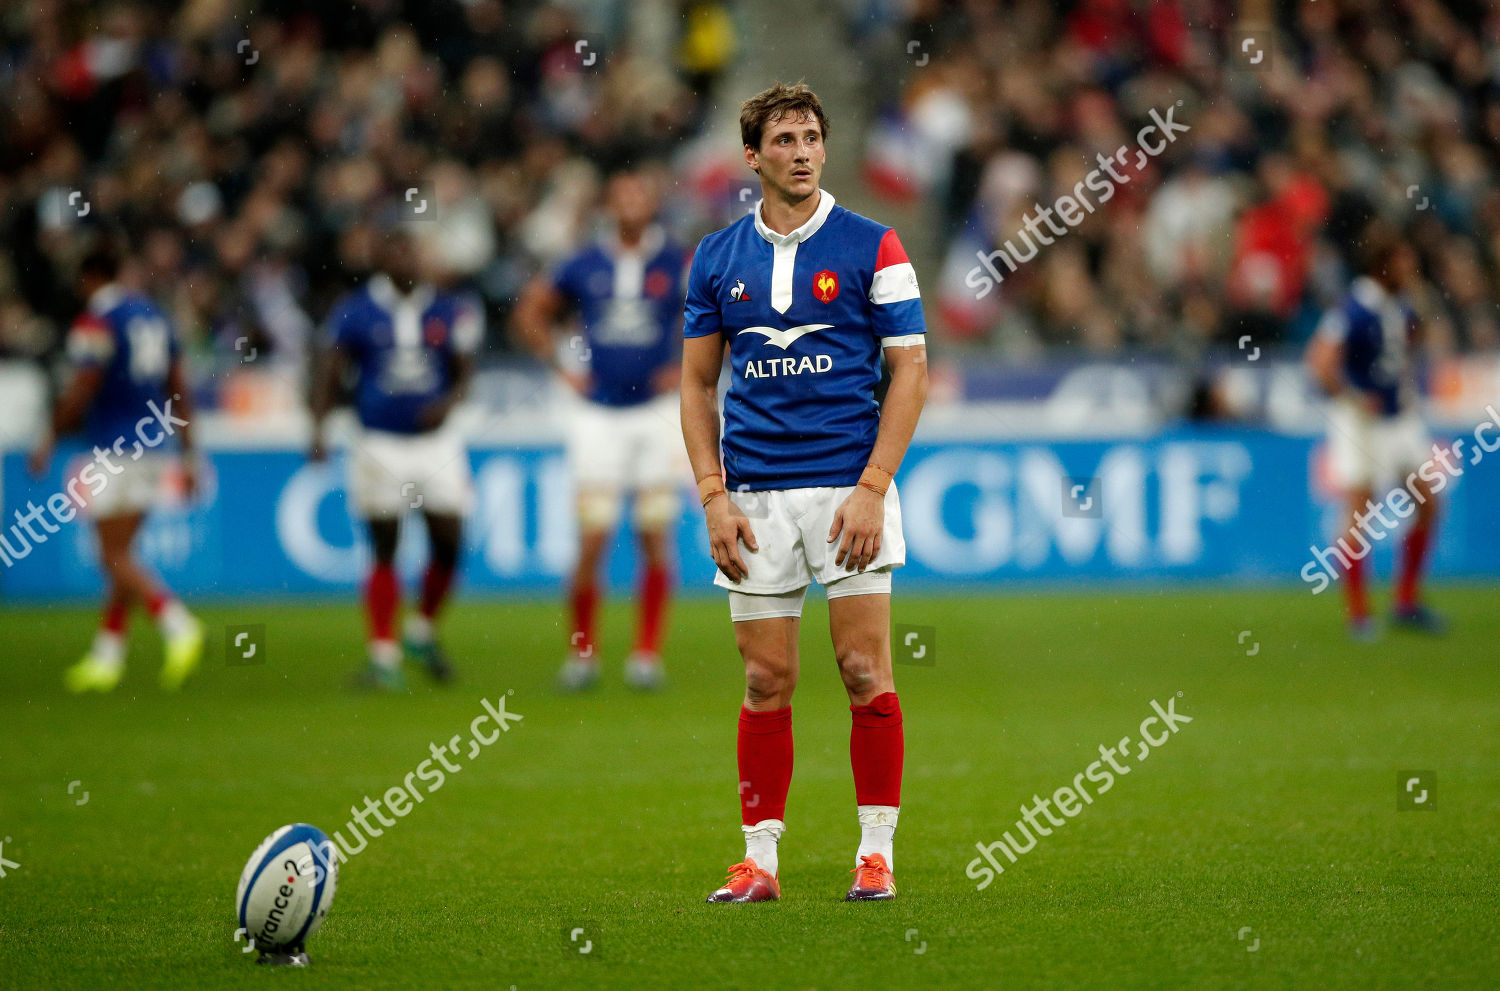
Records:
x=437, y=412
x=537, y=312
x=862, y=516
x=667, y=379
x=702, y=358
x=67, y=414
x=1324, y=361
x=182, y=398
x=331, y=366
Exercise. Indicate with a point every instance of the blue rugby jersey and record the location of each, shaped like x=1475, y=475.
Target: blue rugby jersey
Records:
x=630, y=302
x=1375, y=329
x=806, y=315
x=401, y=348
x=130, y=339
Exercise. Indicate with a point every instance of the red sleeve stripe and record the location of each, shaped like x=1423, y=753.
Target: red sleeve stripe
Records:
x=90, y=341
x=90, y=323
x=891, y=252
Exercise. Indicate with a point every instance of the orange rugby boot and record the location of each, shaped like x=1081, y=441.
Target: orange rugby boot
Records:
x=872, y=881
x=747, y=883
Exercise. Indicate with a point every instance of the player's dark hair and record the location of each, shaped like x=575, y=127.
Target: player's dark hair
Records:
x=775, y=104
x=101, y=262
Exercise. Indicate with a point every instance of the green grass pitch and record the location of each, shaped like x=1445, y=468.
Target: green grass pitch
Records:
x=1261, y=846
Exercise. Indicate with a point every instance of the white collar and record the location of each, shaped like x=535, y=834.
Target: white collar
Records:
x=1371, y=294
x=384, y=292
x=807, y=230
x=105, y=298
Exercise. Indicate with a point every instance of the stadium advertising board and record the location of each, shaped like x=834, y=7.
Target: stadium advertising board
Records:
x=1240, y=506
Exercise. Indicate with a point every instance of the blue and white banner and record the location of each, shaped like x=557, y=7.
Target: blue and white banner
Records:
x=1242, y=506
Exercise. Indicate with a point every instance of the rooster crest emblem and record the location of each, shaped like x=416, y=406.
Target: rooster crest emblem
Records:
x=826, y=286
x=738, y=293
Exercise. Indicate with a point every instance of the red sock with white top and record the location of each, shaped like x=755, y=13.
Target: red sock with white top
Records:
x=109, y=642
x=171, y=616
x=656, y=590
x=1356, y=599
x=584, y=601
x=382, y=598
x=1413, y=557
x=877, y=751
x=764, y=750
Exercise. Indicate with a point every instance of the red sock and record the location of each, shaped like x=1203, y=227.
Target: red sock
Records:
x=765, y=757
x=1355, y=599
x=1413, y=555
x=156, y=602
x=382, y=595
x=435, y=585
x=584, y=601
x=656, y=589
x=877, y=749
x=116, y=617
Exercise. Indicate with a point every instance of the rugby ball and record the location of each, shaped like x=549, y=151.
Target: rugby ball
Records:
x=287, y=888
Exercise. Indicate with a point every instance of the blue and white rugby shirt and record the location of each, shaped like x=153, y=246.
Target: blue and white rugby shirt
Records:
x=402, y=348
x=1375, y=328
x=806, y=315
x=630, y=301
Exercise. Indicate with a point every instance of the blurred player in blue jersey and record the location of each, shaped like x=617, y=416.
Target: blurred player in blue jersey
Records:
x=129, y=394
x=1362, y=356
x=807, y=296
x=623, y=438
x=411, y=349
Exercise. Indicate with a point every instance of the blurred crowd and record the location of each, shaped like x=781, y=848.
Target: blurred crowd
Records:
x=250, y=157
x=1306, y=120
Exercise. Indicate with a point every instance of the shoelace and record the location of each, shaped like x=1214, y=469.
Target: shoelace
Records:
x=739, y=871
x=870, y=873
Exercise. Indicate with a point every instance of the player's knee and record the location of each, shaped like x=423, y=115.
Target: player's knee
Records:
x=768, y=672
x=598, y=509
x=384, y=536
x=654, y=547
x=768, y=683
x=860, y=665
x=591, y=545
x=655, y=509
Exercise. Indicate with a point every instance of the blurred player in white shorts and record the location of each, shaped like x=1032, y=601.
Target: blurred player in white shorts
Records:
x=1362, y=356
x=411, y=347
x=128, y=391
x=808, y=298
x=623, y=436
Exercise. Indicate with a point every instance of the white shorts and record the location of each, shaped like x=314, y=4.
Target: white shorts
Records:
x=392, y=474
x=134, y=490
x=1365, y=451
x=791, y=529
x=615, y=450
x=746, y=606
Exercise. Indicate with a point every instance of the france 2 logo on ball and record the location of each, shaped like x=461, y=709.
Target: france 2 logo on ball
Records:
x=287, y=887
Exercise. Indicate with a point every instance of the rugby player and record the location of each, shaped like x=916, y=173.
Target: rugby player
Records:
x=129, y=393
x=1362, y=355
x=806, y=296
x=411, y=347
x=623, y=436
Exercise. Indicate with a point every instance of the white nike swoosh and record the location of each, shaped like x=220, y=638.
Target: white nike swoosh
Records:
x=785, y=338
